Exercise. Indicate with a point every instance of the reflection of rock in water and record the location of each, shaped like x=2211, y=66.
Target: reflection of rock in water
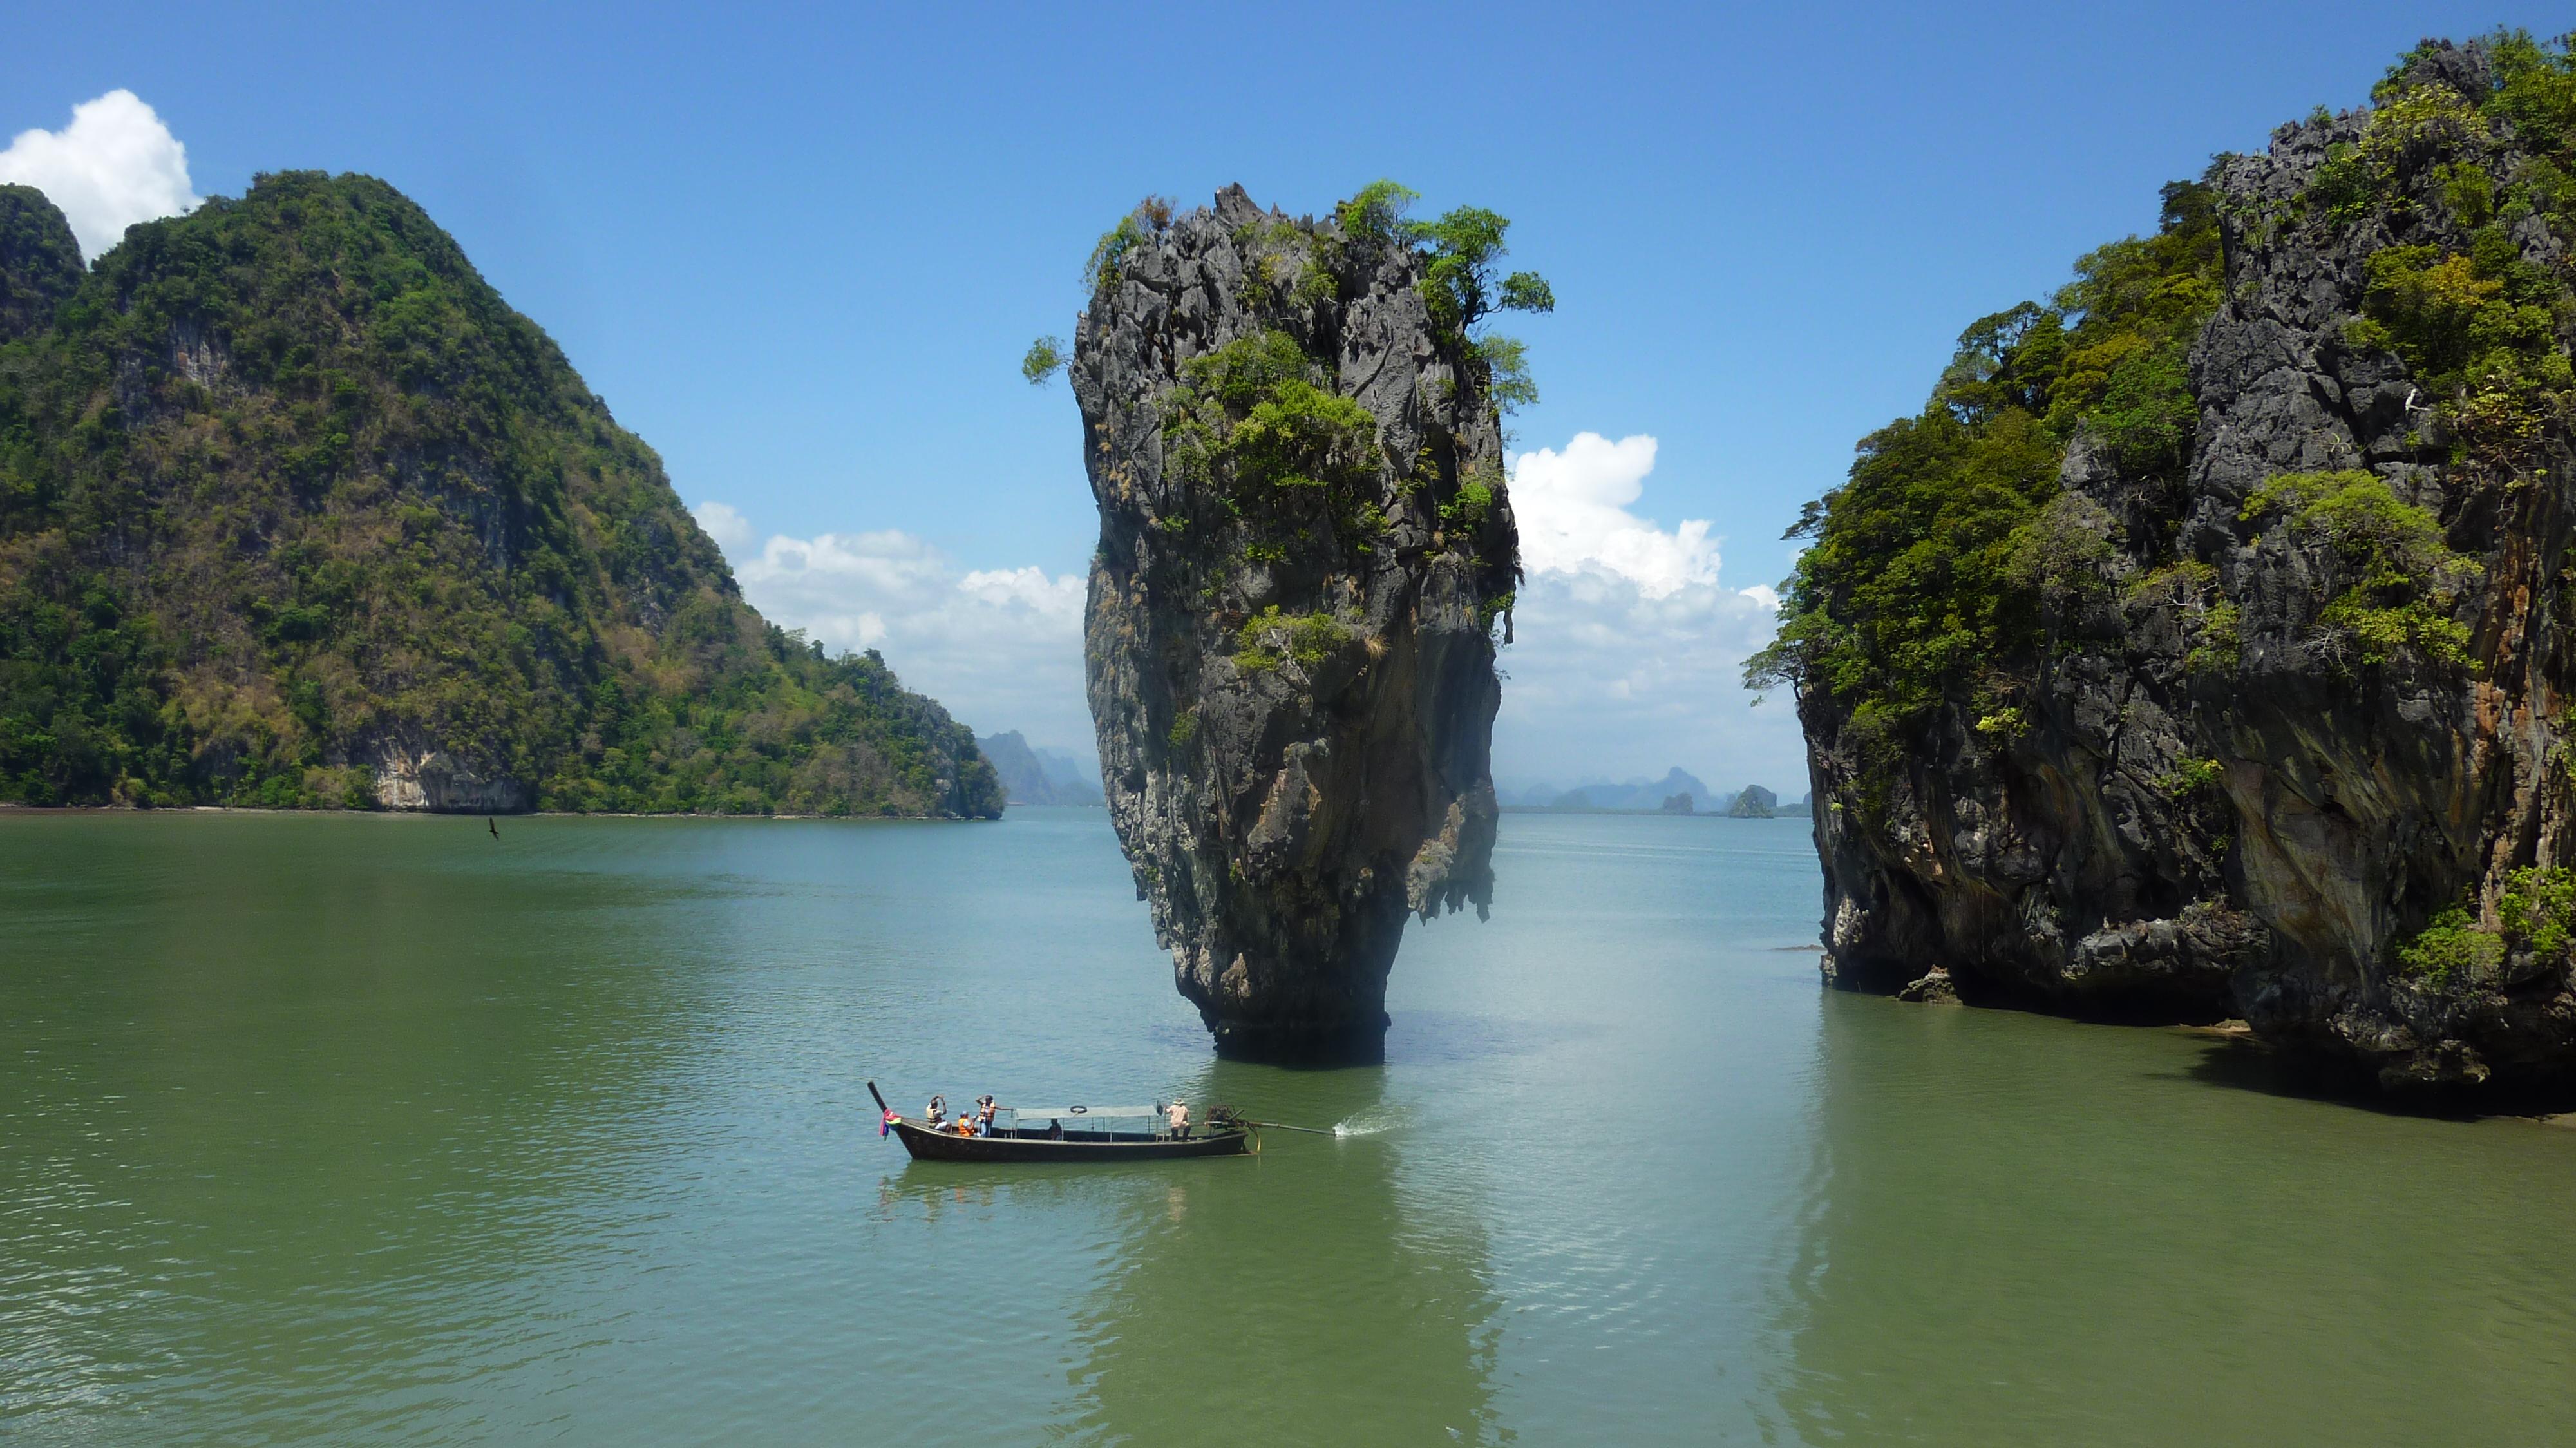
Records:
x=2020, y=1231
x=1295, y=1297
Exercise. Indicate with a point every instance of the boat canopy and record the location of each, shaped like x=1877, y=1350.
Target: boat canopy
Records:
x=1073, y=1116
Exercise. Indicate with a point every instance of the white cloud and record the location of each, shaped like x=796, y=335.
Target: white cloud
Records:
x=1573, y=513
x=113, y=166
x=1629, y=651
x=731, y=530
x=1002, y=648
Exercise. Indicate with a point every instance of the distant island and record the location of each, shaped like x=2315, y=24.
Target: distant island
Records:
x=1039, y=776
x=295, y=512
x=1754, y=802
x=1677, y=792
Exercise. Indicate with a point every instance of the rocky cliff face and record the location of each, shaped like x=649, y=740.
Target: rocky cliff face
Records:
x=2295, y=747
x=1305, y=550
x=426, y=778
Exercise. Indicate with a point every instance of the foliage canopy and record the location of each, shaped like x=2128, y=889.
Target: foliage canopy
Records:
x=1928, y=563
x=1045, y=358
x=1462, y=248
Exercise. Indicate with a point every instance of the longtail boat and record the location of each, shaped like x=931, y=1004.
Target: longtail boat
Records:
x=1068, y=1134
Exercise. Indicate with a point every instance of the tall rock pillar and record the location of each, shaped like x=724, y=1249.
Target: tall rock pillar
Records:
x=1306, y=552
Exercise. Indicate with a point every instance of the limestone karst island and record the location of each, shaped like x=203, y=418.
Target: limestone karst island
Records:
x=1805, y=726
x=1306, y=552
x=2198, y=651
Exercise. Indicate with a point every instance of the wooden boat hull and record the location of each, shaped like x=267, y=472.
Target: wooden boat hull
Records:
x=928, y=1145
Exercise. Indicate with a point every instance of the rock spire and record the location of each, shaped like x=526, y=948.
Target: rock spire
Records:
x=1306, y=554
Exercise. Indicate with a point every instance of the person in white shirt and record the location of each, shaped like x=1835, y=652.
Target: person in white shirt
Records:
x=1179, y=1117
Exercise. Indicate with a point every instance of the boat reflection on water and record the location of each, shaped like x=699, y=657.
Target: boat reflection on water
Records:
x=1304, y=1286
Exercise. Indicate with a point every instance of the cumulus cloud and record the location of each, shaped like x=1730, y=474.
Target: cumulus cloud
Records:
x=1573, y=512
x=1629, y=648
x=113, y=166
x=1002, y=648
x=731, y=530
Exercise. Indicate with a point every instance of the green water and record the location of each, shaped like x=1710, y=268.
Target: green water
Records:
x=357, y=1130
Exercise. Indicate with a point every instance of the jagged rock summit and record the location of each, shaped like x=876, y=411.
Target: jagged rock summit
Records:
x=2264, y=713
x=1305, y=552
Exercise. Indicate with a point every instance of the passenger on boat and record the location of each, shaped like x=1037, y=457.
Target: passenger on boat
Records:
x=984, y=1115
x=1179, y=1117
x=1055, y=1129
x=937, y=1112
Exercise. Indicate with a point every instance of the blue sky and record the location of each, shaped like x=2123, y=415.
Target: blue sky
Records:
x=800, y=252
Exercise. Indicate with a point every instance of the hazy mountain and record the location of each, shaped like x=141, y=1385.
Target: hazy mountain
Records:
x=1038, y=776
x=1642, y=794
x=1076, y=781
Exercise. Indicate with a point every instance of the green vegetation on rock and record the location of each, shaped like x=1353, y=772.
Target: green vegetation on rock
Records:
x=2535, y=917
x=1103, y=269
x=1459, y=281
x=2405, y=576
x=1271, y=638
x=1044, y=359
x=1256, y=425
x=40, y=262
x=1257, y=413
x=1928, y=565
x=2189, y=588
x=2452, y=950
x=2477, y=326
x=1931, y=564
x=288, y=495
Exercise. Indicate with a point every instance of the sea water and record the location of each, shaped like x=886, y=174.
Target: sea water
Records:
x=346, y=1129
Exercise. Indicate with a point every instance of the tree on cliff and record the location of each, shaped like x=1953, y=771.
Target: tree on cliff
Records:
x=1927, y=565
